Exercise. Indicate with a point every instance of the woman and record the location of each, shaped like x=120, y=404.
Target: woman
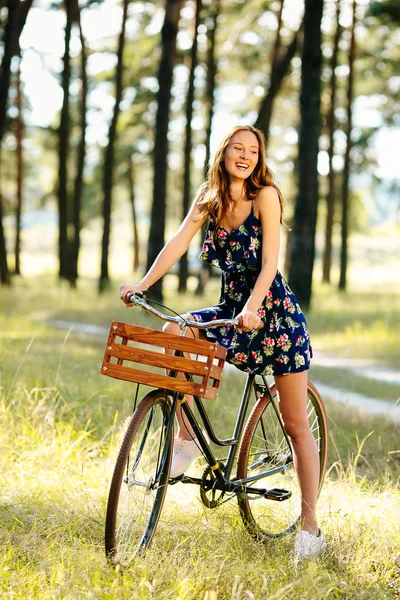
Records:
x=245, y=209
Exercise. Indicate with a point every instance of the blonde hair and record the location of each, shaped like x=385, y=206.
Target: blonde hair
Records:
x=213, y=196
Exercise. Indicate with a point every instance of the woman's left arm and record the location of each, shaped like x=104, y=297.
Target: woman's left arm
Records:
x=269, y=209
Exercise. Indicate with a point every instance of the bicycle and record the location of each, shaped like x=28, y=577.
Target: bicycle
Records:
x=260, y=447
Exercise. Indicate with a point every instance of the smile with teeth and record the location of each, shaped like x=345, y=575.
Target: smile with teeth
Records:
x=242, y=166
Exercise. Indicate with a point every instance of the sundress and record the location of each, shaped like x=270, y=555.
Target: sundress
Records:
x=282, y=346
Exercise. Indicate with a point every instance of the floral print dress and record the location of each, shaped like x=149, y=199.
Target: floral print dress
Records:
x=282, y=346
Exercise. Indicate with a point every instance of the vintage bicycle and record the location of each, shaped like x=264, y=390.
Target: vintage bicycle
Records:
x=264, y=482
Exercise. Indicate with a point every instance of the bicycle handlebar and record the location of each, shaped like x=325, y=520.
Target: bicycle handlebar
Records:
x=138, y=299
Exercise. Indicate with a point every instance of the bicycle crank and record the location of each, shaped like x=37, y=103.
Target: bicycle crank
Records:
x=209, y=494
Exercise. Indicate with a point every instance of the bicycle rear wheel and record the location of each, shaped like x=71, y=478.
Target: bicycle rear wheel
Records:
x=265, y=449
x=140, y=481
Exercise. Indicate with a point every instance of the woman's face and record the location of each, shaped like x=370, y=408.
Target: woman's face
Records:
x=241, y=155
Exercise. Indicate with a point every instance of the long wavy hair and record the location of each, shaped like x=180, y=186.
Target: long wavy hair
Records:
x=213, y=197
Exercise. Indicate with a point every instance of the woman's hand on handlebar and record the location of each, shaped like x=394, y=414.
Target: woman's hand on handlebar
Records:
x=248, y=321
x=126, y=290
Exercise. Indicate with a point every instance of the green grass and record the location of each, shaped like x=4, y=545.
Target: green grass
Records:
x=357, y=324
x=60, y=426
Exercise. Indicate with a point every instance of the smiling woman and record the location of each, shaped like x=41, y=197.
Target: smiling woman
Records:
x=245, y=209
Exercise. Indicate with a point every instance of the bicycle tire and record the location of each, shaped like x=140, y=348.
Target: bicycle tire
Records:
x=264, y=438
x=134, y=508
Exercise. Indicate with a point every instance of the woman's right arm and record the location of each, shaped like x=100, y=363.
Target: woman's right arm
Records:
x=168, y=256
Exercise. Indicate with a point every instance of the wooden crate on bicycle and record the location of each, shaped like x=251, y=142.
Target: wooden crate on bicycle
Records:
x=125, y=356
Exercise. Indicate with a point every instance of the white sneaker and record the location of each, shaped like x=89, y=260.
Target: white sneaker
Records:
x=307, y=545
x=184, y=453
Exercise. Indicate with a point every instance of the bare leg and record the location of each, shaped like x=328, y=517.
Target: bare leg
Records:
x=293, y=407
x=185, y=431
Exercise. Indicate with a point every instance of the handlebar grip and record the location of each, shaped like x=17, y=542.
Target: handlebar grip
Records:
x=138, y=294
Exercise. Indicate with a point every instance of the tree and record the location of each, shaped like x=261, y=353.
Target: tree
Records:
x=63, y=149
x=187, y=162
x=17, y=12
x=109, y=154
x=346, y=168
x=69, y=205
x=209, y=97
x=165, y=73
x=331, y=122
x=131, y=185
x=78, y=185
x=214, y=11
x=19, y=131
x=280, y=63
x=305, y=216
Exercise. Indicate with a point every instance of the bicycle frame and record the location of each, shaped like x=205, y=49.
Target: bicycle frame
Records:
x=223, y=475
x=223, y=479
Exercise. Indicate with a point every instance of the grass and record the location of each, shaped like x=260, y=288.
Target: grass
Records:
x=357, y=324
x=60, y=429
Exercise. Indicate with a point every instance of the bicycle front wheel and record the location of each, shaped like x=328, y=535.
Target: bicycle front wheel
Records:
x=140, y=480
x=266, y=451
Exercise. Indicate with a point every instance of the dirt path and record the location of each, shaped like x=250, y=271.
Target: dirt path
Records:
x=359, y=366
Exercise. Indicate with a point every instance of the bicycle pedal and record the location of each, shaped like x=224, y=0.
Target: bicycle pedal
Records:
x=277, y=494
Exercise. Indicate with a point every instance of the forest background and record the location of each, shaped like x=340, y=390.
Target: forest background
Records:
x=109, y=113
x=97, y=105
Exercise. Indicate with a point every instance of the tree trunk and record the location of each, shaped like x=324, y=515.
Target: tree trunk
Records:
x=331, y=121
x=109, y=155
x=16, y=18
x=279, y=69
x=212, y=20
x=209, y=100
x=288, y=249
x=19, y=128
x=63, y=152
x=131, y=183
x=78, y=187
x=158, y=211
x=4, y=272
x=10, y=36
x=183, y=263
x=305, y=216
x=346, y=169
x=265, y=112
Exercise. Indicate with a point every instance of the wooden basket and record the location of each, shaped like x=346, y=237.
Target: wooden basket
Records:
x=125, y=354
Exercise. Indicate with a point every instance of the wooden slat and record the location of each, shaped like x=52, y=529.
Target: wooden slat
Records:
x=162, y=381
x=124, y=343
x=153, y=379
x=216, y=372
x=211, y=393
x=163, y=339
x=221, y=351
x=157, y=359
